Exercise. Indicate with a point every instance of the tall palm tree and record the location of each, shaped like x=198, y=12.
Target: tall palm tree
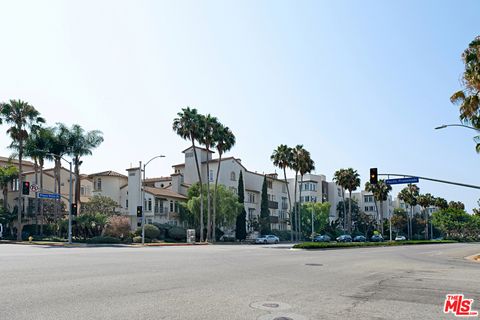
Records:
x=306, y=165
x=425, y=201
x=80, y=144
x=208, y=125
x=380, y=193
x=295, y=166
x=339, y=177
x=188, y=127
x=22, y=117
x=282, y=158
x=7, y=174
x=409, y=195
x=352, y=179
x=224, y=141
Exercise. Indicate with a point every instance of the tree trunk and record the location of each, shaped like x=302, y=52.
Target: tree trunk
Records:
x=5, y=197
x=293, y=224
x=209, y=216
x=20, y=183
x=214, y=216
x=289, y=201
x=36, y=197
x=426, y=224
x=41, y=200
x=349, y=220
x=300, y=207
x=381, y=217
x=201, y=186
x=77, y=180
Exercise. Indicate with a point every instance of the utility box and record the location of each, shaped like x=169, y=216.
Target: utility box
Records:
x=190, y=235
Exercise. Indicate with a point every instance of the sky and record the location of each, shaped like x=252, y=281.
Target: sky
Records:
x=360, y=84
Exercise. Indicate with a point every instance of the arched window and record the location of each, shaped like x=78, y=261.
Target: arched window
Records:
x=232, y=176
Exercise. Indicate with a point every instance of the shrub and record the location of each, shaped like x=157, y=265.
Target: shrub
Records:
x=325, y=245
x=106, y=239
x=151, y=231
x=137, y=239
x=118, y=226
x=177, y=233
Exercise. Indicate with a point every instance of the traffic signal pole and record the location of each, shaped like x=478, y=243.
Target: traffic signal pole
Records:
x=71, y=207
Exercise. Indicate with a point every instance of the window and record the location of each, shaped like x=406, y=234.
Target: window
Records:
x=210, y=175
x=150, y=204
x=284, y=188
x=14, y=185
x=98, y=184
x=250, y=197
x=232, y=176
x=271, y=197
x=270, y=184
x=313, y=199
x=189, y=155
x=251, y=214
x=82, y=190
x=171, y=206
x=177, y=207
x=339, y=192
x=126, y=203
x=366, y=208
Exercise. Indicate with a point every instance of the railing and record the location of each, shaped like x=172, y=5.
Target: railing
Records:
x=272, y=204
x=274, y=219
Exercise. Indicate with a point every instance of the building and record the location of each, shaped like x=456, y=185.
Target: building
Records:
x=366, y=203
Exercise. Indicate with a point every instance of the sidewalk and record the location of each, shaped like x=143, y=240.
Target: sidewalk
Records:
x=85, y=245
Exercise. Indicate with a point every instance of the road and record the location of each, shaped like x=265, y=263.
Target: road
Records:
x=234, y=282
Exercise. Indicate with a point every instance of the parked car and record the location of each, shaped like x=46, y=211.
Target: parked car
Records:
x=322, y=238
x=1, y=231
x=344, y=238
x=376, y=238
x=360, y=239
x=228, y=238
x=400, y=238
x=269, y=238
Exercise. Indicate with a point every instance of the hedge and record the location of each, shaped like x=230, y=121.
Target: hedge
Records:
x=106, y=240
x=327, y=245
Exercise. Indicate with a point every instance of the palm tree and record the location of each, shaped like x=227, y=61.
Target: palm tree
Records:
x=352, y=179
x=440, y=203
x=188, y=127
x=80, y=144
x=207, y=138
x=306, y=165
x=22, y=117
x=380, y=193
x=295, y=166
x=409, y=195
x=282, y=158
x=7, y=174
x=425, y=201
x=224, y=141
x=339, y=177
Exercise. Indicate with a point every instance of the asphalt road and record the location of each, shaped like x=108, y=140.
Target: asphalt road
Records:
x=234, y=282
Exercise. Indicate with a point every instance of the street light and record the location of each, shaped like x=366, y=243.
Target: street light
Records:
x=143, y=194
x=69, y=194
x=456, y=125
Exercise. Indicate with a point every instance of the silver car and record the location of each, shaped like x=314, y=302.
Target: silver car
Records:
x=269, y=238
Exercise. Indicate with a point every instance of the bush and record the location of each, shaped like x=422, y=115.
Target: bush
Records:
x=325, y=245
x=106, y=239
x=137, y=239
x=177, y=233
x=151, y=231
x=118, y=226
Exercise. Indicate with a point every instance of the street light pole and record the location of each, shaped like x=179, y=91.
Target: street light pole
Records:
x=456, y=125
x=143, y=194
x=70, y=211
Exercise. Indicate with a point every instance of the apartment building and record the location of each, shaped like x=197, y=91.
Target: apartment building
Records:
x=366, y=203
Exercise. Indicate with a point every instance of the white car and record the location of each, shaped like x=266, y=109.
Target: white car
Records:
x=267, y=239
x=400, y=238
x=1, y=231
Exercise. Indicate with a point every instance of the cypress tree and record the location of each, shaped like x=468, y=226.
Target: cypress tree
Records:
x=264, y=212
x=241, y=229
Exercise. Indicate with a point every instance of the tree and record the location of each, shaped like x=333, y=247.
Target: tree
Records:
x=282, y=157
x=456, y=224
x=456, y=205
x=315, y=214
x=352, y=182
x=100, y=204
x=305, y=166
x=224, y=141
x=468, y=99
x=295, y=166
x=409, y=195
x=425, y=201
x=400, y=220
x=80, y=144
x=264, y=211
x=188, y=127
x=21, y=117
x=241, y=229
x=339, y=177
x=441, y=203
x=7, y=174
x=380, y=193
x=117, y=226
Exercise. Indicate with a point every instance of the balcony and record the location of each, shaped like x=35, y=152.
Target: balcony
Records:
x=274, y=219
x=272, y=205
x=284, y=206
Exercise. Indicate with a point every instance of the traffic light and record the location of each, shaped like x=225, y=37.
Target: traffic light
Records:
x=25, y=188
x=74, y=209
x=373, y=176
x=139, y=211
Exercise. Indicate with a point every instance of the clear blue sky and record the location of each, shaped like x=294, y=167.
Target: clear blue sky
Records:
x=358, y=83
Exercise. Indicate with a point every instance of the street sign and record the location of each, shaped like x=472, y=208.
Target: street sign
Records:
x=402, y=180
x=49, y=195
x=34, y=187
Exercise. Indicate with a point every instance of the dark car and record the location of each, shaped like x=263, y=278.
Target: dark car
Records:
x=344, y=238
x=322, y=238
x=359, y=239
x=376, y=238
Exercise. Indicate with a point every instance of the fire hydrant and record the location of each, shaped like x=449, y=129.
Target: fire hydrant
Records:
x=30, y=239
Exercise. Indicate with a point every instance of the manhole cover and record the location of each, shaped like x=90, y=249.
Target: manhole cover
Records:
x=314, y=264
x=270, y=305
x=286, y=316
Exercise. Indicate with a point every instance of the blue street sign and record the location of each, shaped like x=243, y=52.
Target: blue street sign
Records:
x=402, y=180
x=49, y=195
